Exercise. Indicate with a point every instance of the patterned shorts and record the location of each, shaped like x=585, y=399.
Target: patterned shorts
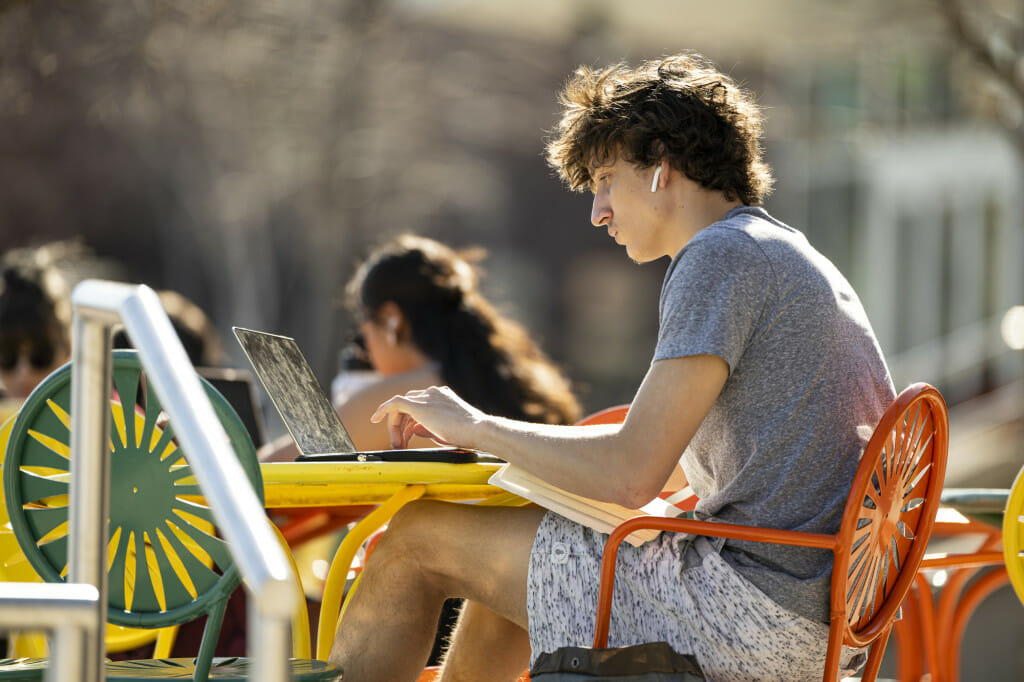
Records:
x=682, y=593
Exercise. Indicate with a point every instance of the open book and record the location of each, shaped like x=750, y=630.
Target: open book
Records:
x=601, y=516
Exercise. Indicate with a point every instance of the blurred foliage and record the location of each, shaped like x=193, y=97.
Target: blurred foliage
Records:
x=992, y=32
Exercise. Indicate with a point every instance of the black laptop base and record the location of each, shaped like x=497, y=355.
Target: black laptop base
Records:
x=444, y=455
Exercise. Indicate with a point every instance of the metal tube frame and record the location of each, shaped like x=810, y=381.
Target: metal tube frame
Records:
x=99, y=306
x=68, y=610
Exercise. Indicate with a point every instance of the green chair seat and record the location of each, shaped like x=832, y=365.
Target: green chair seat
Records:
x=22, y=669
x=225, y=669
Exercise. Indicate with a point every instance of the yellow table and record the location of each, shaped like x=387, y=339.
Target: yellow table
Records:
x=374, y=491
x=341, y=484
x=388, y=485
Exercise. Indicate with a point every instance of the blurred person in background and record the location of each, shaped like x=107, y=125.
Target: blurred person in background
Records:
x=35, y=308
x=197, y=333
x=423, y=321
x=35, y=315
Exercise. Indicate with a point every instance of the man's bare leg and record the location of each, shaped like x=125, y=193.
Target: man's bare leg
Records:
x=483, y=640
x=432, y=551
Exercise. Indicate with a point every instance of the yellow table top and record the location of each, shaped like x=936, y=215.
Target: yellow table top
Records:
x=320, y=484
x=345, y=484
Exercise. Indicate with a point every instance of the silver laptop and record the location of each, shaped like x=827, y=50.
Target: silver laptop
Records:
x=307, y=413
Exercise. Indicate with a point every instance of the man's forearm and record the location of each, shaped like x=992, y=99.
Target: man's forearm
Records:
x=600, y=461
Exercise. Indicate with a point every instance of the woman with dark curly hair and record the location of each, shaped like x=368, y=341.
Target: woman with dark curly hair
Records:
x=421, y=310
x=423, y=321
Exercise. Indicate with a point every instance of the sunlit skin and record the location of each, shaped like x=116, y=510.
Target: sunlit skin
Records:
x=399, y=366
x=652, y=224
x=389, y=342
x=624, y=205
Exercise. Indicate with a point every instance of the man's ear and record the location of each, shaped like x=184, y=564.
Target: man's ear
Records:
x=661, y=172
x=661, y=168
x=656, y=180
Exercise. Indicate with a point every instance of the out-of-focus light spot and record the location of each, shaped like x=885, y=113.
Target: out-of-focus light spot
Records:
x=320, y=569
x=1012, y=327
x=939, y=578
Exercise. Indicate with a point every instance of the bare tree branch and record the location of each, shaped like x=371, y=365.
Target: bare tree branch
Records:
x=1006, y=65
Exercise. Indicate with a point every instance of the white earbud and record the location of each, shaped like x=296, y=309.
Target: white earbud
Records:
x=657, y=177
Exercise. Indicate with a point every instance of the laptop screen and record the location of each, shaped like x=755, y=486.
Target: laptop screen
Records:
x=237, y=387
x=293, y=388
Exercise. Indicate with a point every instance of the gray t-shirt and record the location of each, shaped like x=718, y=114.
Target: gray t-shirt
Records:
x=807, y=384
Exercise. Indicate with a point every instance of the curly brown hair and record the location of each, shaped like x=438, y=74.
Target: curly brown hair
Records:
x=487, y=358
x=681, y=107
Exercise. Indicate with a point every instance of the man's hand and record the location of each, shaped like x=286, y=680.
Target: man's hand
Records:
x=435, y=413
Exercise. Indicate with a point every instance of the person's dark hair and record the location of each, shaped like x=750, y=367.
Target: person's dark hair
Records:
x=486, y=358
x=681, y=107
x=195, y=330
x=34, y=306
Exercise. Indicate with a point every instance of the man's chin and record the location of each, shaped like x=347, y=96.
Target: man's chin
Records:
x=639, y=258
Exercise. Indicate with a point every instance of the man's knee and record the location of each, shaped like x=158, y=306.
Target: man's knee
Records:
x=420, y=534
x=449, y=542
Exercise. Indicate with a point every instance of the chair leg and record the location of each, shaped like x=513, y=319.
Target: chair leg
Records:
x=970, y=600
x=927, y=627
x=165, y=642
x=208, y=644
x=874, y=663
x=907, y=632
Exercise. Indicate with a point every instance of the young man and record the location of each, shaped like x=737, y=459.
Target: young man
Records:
x=765, y=385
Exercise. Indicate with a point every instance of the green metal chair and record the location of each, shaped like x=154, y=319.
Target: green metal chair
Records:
x=167, y=564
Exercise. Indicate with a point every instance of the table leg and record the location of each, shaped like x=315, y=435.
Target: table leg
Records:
x=331, y=605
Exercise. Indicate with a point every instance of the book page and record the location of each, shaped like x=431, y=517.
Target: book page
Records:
x=601, y=516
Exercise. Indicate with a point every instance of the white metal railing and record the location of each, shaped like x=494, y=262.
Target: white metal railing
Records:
x=68, y=610
x=98, y=306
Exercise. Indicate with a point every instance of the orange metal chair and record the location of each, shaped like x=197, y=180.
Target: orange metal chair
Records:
x=936, y=618
x=609, y=415
x=881, y=542
x=932, y=630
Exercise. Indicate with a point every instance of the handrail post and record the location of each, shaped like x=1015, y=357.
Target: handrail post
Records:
x=266, y=632
x=67, y=610
x=265, y=569
x=89, y=494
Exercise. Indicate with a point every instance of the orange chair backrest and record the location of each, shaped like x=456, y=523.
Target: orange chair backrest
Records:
x=890, y=513
x=609, y=415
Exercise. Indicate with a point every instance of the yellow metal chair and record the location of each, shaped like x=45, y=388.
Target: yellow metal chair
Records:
x=1013, y=535
x=14, y=567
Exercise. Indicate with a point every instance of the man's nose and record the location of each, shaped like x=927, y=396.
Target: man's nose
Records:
x=600, y=211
